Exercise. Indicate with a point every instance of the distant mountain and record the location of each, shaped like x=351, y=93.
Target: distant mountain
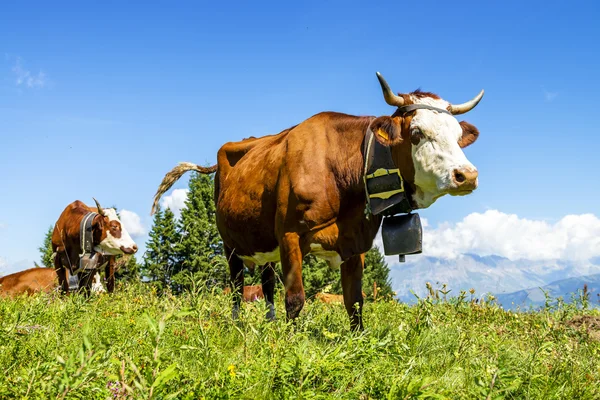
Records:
x=565, y=288
x=485, y=274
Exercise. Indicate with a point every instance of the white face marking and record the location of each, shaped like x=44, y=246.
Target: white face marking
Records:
x=333, y=258
x=111, y=245
x=438, y=154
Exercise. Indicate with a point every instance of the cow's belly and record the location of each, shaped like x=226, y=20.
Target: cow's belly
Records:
x=331, y=257
x=263, y=258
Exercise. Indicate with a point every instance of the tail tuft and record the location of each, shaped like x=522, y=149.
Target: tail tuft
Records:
x=173, y=176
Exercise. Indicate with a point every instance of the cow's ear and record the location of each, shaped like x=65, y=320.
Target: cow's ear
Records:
x=387, y=130
x=98, y=222
x=469, y=134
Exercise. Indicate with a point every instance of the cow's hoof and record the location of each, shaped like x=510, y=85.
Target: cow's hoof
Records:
x=271, y=312
x=235, y=313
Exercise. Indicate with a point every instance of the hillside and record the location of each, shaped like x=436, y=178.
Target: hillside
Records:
x=489, y=274
x=565, y=288
x=136, y=344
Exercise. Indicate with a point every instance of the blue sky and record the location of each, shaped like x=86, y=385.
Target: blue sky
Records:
x=102, y=99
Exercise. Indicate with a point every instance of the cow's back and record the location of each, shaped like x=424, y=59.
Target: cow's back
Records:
x=299, y=181
x=29, y=281
x=66, y=233
x=245, y=192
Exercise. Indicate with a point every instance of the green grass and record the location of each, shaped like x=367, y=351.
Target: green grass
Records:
x=136, y=344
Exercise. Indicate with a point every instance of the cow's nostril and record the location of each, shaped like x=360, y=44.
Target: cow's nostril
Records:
x=135, y=248
x=459, y=177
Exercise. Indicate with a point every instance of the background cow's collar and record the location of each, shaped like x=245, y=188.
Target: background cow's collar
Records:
x=411, y=107
x=88, y=259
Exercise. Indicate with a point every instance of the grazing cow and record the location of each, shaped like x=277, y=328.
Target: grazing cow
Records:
x=251, y=293
x=35, y=280
x=282, y=196
x=332, y=298
x=29, y=281
x=109, y=239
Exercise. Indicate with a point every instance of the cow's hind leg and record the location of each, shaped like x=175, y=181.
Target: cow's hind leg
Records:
x=291, y=263
x=352, y=272
x=268, y=287
x=236, y=274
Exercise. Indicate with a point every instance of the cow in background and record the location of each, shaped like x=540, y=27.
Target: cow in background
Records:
x=332, y=298
x=110, y=238
x=251, y=293
x=35, y=280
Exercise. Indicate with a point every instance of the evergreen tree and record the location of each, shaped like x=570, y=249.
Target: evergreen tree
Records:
x=46, y=250
x=318, y=276
x=200, y=249
x=129, y=270
x=161, y=259
x=376, y=270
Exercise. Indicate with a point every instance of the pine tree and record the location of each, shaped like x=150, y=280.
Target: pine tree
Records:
x=318, y=276
x=376, y=270
x=161, y=259
x=129, y=271
x=200, y=249
x=46, y=250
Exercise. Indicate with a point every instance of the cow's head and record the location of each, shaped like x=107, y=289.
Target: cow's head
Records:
x=427, y=144
x=110, y=236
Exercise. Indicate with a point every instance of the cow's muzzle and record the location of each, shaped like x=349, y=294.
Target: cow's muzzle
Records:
x=129, y=250
x=464, y=180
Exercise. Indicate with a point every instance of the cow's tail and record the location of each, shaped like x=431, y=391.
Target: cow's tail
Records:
x=173, y=176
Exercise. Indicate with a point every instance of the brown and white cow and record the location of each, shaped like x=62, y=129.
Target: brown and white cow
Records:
x=251, y=293
x=29, y=281
x=301, y=191
x=330, y=298
x=36, y=280
x=110, y=238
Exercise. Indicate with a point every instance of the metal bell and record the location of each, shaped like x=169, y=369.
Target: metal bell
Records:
x=402, y=235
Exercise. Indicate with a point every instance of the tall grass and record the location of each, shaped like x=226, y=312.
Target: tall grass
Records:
x=137, y=344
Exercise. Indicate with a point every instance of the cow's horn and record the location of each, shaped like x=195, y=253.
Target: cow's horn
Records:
x=99, y=207
x=389, y=96
x=456, y=109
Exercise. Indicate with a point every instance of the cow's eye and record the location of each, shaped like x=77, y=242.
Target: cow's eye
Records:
x=416, y=135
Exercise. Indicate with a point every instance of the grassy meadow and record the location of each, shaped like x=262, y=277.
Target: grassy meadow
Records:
x=139, y=345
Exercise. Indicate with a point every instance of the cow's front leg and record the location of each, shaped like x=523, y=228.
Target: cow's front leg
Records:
x=291, y=264
x=61, y=273
x=236, y=274
x=109, y=274
x=267, y=278
x=352, y=272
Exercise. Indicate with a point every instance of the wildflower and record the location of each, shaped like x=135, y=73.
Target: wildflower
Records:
x=231, y=370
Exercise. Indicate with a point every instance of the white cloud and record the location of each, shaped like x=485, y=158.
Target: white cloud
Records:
x=24, y=77
x=574, y=237
x=132, y=223
x=175, y=201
